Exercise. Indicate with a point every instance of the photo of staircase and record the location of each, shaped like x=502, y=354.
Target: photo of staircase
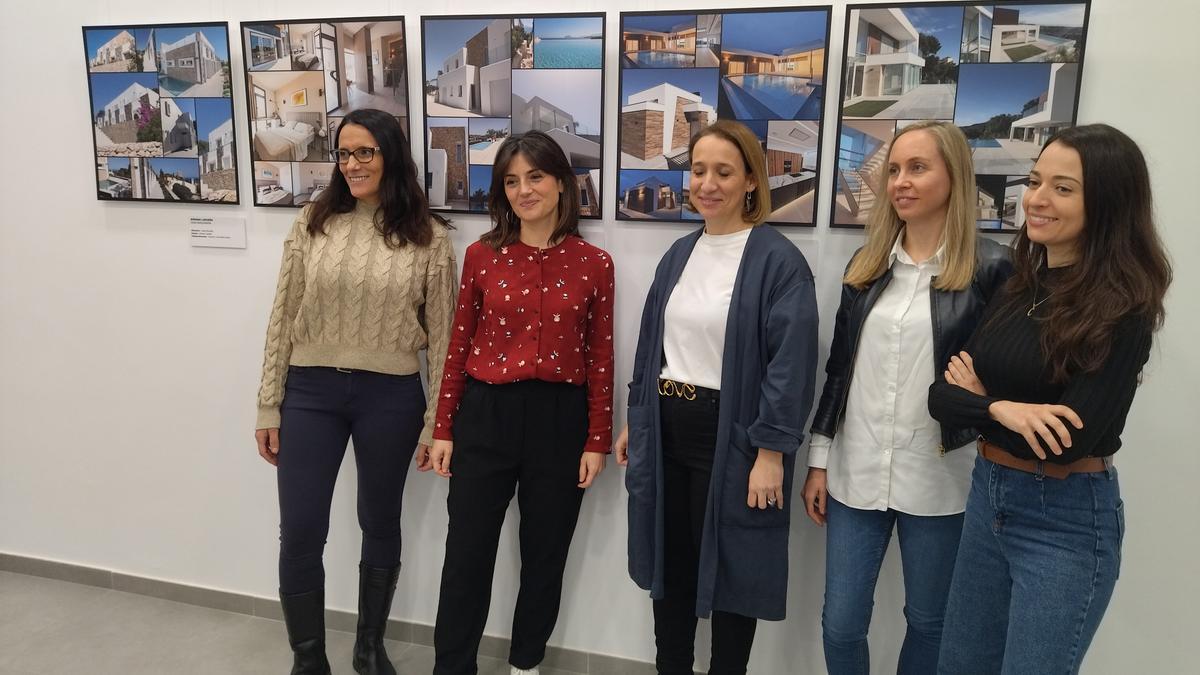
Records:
x=859, y=174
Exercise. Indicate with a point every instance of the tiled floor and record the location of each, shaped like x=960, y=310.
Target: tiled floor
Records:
x=52, y=627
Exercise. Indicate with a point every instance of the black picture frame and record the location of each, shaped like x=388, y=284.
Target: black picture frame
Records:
x=763, y=75
x=1046, y=68
x=555, y=84
x=144, y=78
x=290, y=144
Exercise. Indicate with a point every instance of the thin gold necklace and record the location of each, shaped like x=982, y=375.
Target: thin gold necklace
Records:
x=1037, y=302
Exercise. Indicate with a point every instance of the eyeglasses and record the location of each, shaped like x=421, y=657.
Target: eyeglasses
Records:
x=363, y=155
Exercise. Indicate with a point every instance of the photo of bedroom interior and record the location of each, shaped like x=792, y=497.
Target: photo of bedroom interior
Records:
x=288, y=117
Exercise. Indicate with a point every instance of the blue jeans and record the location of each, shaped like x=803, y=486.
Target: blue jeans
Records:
x=856, y=540
x=1036, y=568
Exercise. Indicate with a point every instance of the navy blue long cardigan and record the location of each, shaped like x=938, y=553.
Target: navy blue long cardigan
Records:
x=767, y=373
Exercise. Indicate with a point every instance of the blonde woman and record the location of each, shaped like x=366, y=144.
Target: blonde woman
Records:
x=722, y=385
x=912, y=295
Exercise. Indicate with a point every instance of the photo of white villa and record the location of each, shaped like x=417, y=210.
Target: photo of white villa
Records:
x=1038, y=33
x=475, y=77
x=218, y=158
x=179, y=127
x=976, y=45
x=566, y=105
x=1008, y=111
x=885, y=78
x=190, y=66
x=288, y=117
x=791, y=151
x=124, y=107
x=116, y=55
x=658, y=122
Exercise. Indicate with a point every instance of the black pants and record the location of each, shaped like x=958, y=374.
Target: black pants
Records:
x=322, y=409
x=528, y=437
x=689, y=436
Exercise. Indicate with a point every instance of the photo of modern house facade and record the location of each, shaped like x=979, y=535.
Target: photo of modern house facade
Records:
x=191, y=64
x=657, y=122
x=681, y=72
x=447, y=168
x=650, y=195
x=988, y=69
x=475, y=75
x=1037, y=33
x=904, y=63
x=489, y=77
x=159, y=101
x=117, y=54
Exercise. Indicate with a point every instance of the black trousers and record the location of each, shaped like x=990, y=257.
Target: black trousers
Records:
x=322, y=409
x=525, y=437
x=689, y=437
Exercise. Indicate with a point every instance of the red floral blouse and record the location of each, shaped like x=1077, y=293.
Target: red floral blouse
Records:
x=526, y=313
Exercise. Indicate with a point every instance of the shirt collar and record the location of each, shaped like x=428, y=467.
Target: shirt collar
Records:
x=898, y=253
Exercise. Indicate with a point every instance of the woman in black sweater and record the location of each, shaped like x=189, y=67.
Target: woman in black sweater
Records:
x=1048, y=380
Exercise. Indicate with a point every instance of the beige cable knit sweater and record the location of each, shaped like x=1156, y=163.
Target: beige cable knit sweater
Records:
x=347, y=300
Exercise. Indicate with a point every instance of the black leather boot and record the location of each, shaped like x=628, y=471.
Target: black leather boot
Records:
x=376, y=586
x=304, y=616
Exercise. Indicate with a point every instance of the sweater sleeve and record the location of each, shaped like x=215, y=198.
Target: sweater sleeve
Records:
x=1101, y=398
x=598, y=357
x=441, y=283
x=278, y=350
x=459, y=344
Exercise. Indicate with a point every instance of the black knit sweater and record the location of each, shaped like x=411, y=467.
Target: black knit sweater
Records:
x=1009, y=362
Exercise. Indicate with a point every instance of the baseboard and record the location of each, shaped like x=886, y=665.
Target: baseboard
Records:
x=403, y=631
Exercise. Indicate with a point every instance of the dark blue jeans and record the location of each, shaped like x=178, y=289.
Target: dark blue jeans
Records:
x=855, y=542
x=322, y=409
x=1036, y=568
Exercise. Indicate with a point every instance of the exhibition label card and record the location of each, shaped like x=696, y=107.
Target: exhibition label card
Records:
x=220, y=232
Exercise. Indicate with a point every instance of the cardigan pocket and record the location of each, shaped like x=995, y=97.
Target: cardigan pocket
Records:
x=739, y=462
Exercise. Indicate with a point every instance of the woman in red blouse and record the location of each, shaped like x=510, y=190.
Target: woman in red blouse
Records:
x=526, y=403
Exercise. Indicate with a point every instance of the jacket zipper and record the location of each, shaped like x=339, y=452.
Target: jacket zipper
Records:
x=933, y=318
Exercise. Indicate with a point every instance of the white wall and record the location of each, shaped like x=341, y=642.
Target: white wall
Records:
x=129, y=361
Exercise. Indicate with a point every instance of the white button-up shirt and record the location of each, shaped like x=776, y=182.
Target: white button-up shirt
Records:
x=887, y=453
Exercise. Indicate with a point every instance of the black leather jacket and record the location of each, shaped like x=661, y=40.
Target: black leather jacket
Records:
x=954, y=313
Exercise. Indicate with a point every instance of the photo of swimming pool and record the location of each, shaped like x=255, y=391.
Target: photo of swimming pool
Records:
x=650, y=59
x=568, y=53
x=983, y=143
x=766, y=96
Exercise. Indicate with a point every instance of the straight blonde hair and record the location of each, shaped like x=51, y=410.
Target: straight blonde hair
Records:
x=758, y=207
x=958, y=235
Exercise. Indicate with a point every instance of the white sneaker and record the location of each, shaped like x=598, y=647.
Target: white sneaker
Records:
x=521, y=671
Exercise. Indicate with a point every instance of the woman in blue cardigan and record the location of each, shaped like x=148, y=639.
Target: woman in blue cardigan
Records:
x=722, y=385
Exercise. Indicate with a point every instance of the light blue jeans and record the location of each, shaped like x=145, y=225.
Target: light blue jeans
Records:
x=856, y=540
x=1036, y=568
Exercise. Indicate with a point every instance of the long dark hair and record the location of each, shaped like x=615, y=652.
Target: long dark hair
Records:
x=1122, y=268
x=544, y=154
x=403, y=215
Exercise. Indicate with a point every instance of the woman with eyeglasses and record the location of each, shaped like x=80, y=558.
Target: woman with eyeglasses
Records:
x=722, y=384
x=526, y=402
x=367, y=283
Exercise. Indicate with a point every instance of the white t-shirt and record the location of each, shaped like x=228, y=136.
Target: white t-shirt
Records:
x=694, y=335
x=887, y=453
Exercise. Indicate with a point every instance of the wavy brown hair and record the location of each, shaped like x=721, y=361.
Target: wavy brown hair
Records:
x=545, y=155
x=403, y=214
x=1122, y=268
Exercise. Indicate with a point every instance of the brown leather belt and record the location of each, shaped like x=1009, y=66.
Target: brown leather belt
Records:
x=994, y=453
